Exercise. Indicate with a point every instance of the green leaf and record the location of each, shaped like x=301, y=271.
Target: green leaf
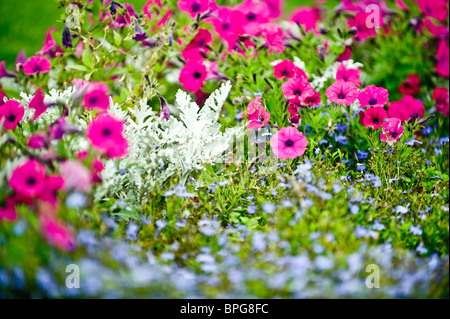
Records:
x=87, y=59
x=127, y=214
x=78, y=67
x=117, y=38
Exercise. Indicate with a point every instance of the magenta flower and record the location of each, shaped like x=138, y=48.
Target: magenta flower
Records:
x=440, y=96
x=96, y=167
x=373, y=96
x=11, y=113
x=199, y=43
x=342, y=92
x=36, y=65
x=96, y=97
x=28, y=180
x=105, y=134
x=193, y=75
x=348, y=75
x=50, y=47
x=257, y=114
x=288, y=143
x=56, y=233
x=286, y=69
x=255, y=14
x=297, y=90
x=8, y=213
x=2, y=97
x=314, y=99
x=76, y=176
x=406, y=109
x=36, y=141
x=442, y=56
x=228, y=23
x=273, y=35
x=346, y=55
x=436, y=9
x=3, y=71
x=37, y=103
x=306, y=17
x=392, y=130
x=276, y=8
x=363, y=31
x=373, y=117
x=410, y=86
x=194, y=7
x=53, y=184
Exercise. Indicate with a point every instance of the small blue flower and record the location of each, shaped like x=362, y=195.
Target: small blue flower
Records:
x=268, y=207
x=416, y=230
x=341, y=139
x=361, y=154
x=361, y=167
x=427, y=162
x=427, y=130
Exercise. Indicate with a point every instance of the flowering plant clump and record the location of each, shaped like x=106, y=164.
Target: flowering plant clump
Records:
x=255, y=148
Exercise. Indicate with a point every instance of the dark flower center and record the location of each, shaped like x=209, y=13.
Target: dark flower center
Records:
x=11, y=118
x=289, y=143
x=297, y=92
x=93, y=100
x=251, y=16
x=285, y=73
x=394, y=134
x=197, y=75
x=106, y=132
x=376, y=121
x=201, y=42
x=37, y=68
x=195, y=7
x=225, y=26
x=373, y=101
x=341, y=95
x=31, y=181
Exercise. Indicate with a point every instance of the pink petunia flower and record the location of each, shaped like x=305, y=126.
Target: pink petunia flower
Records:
x=11, y=113
x=359, y=23
x=346, y=55
x=342, y=92
x=3, y=71
x=392, y=131
x=257, y=114
x=297, y=90
x=56, y=233
x=105, y=134
x=50, y=48
x=228, y=23
x=75, y=176
x=436, y=9
x=275, y=7
x=286, y=69
x=2, y=97
x=348, y=75
x=194, y=7
x=96, y=97
x=288, y=143
x=306, y=17
x=373, y=117
x=442, y=55
x=199, y=43
x=440, y=31
x=36, y=65
x=36, y=140
x=53, y=184
x=410, y=86
x=255, y=14
x=193, y=75
x=373, y=96
x=406, y=109
x=28, y=180
x=37, y=103
x=8, y=213
x=273, y=35
x=96, y=168
x=149, y=5
x=440, y=96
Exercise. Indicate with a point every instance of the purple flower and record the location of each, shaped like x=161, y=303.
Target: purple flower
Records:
x=139, y=35
x=66, y=37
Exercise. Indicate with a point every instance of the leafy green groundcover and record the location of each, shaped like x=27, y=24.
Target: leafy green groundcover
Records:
x=180, y=205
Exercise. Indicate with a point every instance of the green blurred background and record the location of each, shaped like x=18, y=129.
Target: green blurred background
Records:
x=23, y=24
